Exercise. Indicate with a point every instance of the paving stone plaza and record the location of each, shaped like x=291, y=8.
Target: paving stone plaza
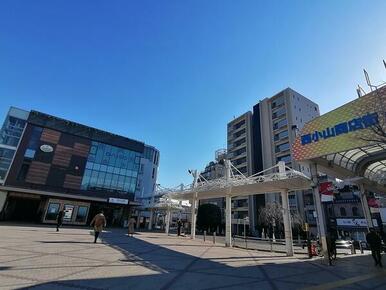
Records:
x=37, y=257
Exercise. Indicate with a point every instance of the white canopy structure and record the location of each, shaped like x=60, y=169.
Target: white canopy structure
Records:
x=273, y=180
x=163, y=202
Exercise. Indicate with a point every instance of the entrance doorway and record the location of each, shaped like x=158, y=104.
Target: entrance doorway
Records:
x=23, y=209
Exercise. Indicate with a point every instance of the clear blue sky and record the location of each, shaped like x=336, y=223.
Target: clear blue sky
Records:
x=173, y=73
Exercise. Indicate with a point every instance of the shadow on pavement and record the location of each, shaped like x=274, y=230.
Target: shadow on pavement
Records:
x=153, y=266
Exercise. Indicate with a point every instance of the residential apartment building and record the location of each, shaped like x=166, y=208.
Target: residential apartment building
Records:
x=259, y=139
x=240, y=153
x=276, y=123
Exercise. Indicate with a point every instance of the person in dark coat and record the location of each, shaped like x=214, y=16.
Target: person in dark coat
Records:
x=375, y=242
x=59, y=220
x=179, y=225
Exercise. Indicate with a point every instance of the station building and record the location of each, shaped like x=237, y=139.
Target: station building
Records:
x=48, y=164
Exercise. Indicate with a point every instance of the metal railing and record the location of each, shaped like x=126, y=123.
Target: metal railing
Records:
x=269, y=245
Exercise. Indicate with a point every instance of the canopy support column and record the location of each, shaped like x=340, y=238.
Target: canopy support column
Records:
x=167, y=217
x=193, y=209
x=150, y=226
x=287, y=224
x=193, y=219
x=365, y=207
x=321, y=221
x=228, y=221
x=228, y=207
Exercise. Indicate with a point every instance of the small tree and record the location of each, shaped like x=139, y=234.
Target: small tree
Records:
x=208, y=217
x=297, y=222
x=271, y=217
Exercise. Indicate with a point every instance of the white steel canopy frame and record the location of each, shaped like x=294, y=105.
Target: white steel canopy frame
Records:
x=279, y=178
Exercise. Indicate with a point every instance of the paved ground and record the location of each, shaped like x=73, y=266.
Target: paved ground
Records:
x=40, y=258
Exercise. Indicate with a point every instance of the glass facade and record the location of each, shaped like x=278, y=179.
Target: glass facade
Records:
x=6, y=156
x=112, y=168
x=10, y=134
x=11, y=131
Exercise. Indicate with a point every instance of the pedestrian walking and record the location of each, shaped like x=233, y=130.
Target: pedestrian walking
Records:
x=99, y=222
x=179, y=226
x=131, y=227
x=59, y=219
x=375, y=242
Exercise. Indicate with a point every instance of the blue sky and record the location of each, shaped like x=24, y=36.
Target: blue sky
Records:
x=173, y=73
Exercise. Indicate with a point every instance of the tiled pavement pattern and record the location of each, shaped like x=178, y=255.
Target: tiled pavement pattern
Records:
x=39, y=258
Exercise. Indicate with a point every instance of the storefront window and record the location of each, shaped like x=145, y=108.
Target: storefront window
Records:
x=52, y=211
x=81, y=215
x=68, y=211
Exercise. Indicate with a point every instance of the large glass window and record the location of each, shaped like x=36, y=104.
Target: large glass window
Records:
x=52, y=211
x=81, y=214
x=112, y=168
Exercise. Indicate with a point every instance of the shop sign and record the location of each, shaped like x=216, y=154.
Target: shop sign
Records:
x=46, y=148
x=366, y=121
x=118, y=200
x=342, y=129
x=354, y=222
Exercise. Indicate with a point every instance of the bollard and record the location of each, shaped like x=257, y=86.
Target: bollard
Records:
x=360, y=247
x=204, y=236
x=271, y=246
x=214, y=237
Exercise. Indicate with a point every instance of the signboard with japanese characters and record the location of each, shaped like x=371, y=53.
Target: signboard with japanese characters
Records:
x=342, y=129
x=354, y=222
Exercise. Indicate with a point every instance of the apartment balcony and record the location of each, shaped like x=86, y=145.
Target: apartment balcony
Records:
x=280, y=128
x=239, y=146
x=282, y=153
x=277, y=117
x=237, y=156
x=279, y=152
x=240, y=164
x=281, y=140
